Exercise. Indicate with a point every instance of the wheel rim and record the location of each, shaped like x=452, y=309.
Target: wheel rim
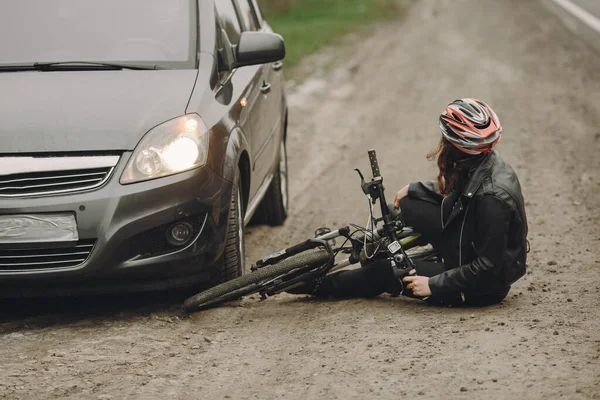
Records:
x=283, y=176
x=241, y=247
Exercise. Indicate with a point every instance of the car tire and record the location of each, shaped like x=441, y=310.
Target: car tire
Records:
x=233, y=259
x=273, y=209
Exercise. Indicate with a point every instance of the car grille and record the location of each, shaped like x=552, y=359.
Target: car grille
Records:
x=53, y=182
x=45, y=258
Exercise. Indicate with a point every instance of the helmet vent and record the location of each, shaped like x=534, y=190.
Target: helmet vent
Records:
x=487, y=123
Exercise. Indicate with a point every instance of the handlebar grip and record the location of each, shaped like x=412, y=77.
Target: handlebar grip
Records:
x=374, y=164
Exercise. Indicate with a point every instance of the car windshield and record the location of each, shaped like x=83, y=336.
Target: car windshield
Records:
x=140, y=32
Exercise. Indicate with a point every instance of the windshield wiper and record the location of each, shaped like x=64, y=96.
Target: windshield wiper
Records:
x=86, y=65
x=74, y=66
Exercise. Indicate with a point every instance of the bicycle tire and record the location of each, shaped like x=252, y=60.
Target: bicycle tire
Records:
x=235, y=288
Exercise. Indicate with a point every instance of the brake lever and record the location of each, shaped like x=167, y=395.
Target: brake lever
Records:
x=369, y=188
x=363, y=184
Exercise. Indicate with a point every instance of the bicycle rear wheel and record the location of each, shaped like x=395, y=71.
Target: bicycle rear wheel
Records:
x=252, y=282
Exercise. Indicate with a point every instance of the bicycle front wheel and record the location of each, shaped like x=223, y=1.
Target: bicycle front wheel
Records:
x=252, y=282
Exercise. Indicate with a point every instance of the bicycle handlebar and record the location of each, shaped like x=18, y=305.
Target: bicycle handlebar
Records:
x=374, y=164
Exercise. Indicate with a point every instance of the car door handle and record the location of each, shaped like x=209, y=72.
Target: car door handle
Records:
x=277, y=65
x=266, y=87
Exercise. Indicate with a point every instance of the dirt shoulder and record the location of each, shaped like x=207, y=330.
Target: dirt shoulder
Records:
x=385, y=92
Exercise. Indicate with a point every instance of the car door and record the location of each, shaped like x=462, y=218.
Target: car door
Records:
x=272, y=89
x=247, y=81
x=266, y=141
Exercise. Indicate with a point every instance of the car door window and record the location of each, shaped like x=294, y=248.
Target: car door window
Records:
x=248, y=15
x=229, y=20
x=258, y=13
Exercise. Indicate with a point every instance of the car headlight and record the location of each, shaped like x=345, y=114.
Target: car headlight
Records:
x=175, y=146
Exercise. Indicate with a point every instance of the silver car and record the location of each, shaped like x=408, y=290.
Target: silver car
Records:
x=137, y=139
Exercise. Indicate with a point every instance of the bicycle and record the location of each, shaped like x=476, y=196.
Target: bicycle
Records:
x=316, y=257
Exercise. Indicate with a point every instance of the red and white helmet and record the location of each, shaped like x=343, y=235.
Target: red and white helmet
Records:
x=471, y=126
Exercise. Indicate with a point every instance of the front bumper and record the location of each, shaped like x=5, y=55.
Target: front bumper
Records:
x=125, y=224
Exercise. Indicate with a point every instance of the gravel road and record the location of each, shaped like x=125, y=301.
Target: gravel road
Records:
x=381, y=89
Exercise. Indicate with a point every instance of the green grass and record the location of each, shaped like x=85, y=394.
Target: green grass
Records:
x=307, y=25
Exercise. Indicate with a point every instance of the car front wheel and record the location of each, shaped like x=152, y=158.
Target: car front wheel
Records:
x=233, y=259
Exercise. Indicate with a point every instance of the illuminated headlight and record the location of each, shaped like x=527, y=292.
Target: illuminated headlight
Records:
x=175, y=146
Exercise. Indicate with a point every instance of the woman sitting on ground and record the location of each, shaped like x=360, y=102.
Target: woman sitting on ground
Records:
x=473, y=214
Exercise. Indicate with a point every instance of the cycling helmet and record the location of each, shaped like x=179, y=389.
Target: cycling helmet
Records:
x=471, y=126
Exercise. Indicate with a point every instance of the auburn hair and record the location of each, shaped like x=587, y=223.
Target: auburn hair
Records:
x=453, y=170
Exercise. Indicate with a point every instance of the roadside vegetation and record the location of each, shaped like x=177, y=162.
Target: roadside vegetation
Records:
x=307, y=25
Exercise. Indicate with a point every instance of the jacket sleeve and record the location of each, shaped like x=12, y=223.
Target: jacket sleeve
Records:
x=493, y=218
x=425, y=190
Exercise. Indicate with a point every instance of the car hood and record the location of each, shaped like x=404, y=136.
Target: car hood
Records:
x=87, y=110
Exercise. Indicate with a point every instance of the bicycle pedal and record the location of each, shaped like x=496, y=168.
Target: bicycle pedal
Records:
x=322, y=231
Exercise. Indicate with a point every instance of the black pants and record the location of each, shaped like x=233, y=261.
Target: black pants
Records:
x=378, y=277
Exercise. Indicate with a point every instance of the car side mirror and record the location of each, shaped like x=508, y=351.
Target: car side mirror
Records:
x=259, y=48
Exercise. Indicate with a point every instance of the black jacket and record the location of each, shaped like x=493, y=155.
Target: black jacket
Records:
x=487, y=227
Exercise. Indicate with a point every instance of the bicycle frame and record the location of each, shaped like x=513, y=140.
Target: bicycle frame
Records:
x=398, y=236
x=407, y=239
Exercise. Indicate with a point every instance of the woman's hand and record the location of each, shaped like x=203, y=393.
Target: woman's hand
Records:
x=402, y=193
x=418, y=284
